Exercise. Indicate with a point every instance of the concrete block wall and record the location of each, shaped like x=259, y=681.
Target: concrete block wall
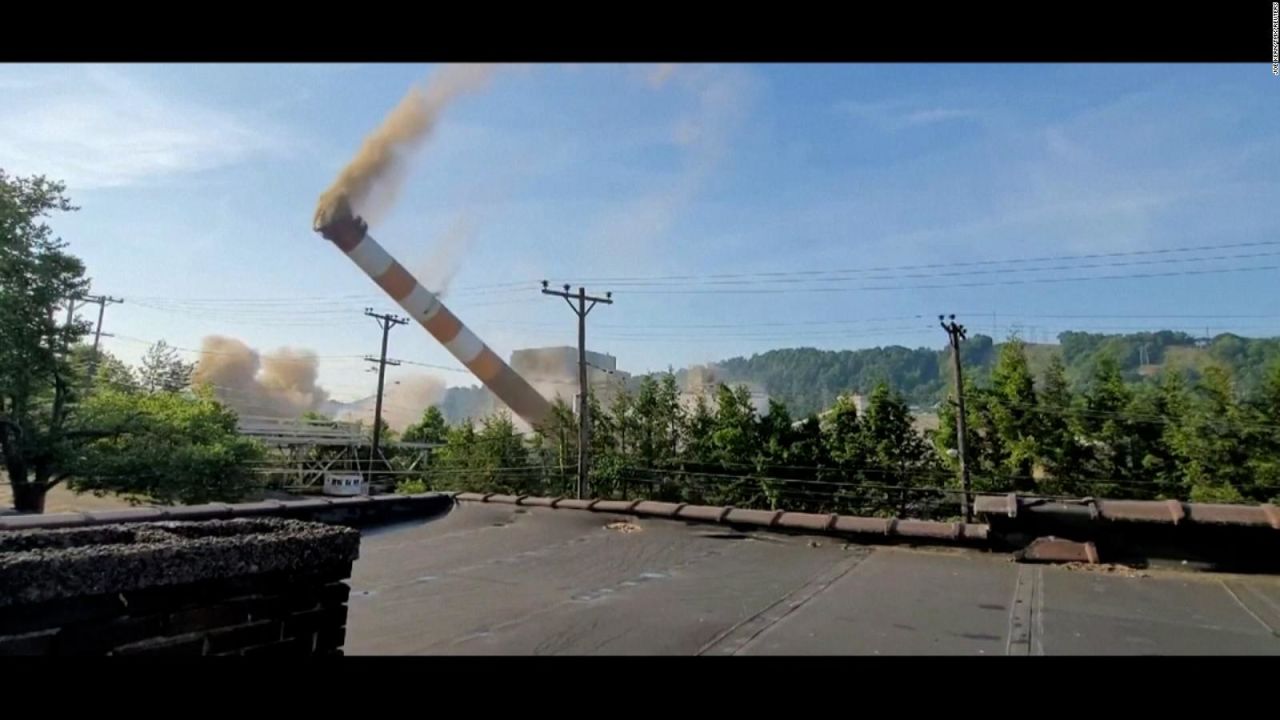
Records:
x=262, y=586
x=351, y=511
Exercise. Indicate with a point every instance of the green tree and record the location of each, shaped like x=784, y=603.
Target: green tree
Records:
x=985, y=455
x=1265, y=437
x=555, y=443
x=37, y=383
x=431, y=428
x=163, y=370
x=501, y=455
x=412, y=470
x=734, y=432
x=625, y=425
x=845, y=444
x=457, y=459
x=898, y=455
x=1058, y=445
x=698, y=446
x=774, y=461
x=646, y=410
x=670, y=420
x=492, y=458
x=808, y=450
x=609, y=475
x=733, y=446
x=111, y=372
x=1011, y=404
x=1154, y=410
x=844, y=437
x=1108, y=427
x=1210, y=442
x=170, y=448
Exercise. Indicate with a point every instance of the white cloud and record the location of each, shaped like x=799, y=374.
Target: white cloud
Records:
x=898, y=114
x=720, y=100
x=96, y=127
x=937, y=115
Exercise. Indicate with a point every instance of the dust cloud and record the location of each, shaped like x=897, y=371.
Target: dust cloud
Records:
x=281, y=383
x=371, y=182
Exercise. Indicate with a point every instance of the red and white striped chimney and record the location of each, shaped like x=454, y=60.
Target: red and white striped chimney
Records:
x=350, y=234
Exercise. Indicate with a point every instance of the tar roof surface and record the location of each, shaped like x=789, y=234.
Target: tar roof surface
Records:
x=492, y=579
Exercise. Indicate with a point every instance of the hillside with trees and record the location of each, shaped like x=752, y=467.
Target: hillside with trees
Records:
x=809, y=380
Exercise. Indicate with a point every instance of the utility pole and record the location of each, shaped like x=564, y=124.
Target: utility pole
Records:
x=584, y=406
x=956, y=333
x=102, y=301
x=71, y=310
x=386, y=322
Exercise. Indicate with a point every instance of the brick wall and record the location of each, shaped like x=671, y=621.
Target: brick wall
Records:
x=257, y=587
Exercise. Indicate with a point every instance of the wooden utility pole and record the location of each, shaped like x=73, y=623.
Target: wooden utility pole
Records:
x=386, y=322
x=584, y=405
x=956, y=333
x=102, y=302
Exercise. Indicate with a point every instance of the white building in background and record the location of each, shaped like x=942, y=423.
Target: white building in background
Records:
x=553, y=371
x=702, y=381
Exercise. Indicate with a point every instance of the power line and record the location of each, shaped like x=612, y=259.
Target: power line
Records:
x=993, y=283
x=880, y=288
x=437, y=367
x=961, y=273
x=926, y=266
x=519, y=285
x=128, y=338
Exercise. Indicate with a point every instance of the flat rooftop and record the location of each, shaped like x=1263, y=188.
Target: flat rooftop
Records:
x=500, y=579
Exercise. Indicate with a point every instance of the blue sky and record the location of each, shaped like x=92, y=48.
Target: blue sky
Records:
x=197, y=184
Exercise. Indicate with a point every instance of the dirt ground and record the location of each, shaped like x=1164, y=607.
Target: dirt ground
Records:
x=60, y=499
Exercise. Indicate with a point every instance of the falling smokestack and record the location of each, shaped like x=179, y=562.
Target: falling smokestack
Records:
x=350, y=234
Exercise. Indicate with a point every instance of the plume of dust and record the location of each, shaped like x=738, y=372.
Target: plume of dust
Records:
x=704, y=380
x=437, y=271
x=403, y=402
x=721, y=104
x=660, y=74
x=277, y=384
x=371, y=181
x=701, y=379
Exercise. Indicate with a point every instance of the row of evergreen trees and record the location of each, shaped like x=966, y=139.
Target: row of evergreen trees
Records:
x=1200, y=441
x=1196, y=441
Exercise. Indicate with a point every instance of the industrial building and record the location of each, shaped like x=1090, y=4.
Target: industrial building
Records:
x=553, y=372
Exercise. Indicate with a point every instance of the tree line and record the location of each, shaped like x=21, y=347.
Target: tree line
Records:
x=1198, y=440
